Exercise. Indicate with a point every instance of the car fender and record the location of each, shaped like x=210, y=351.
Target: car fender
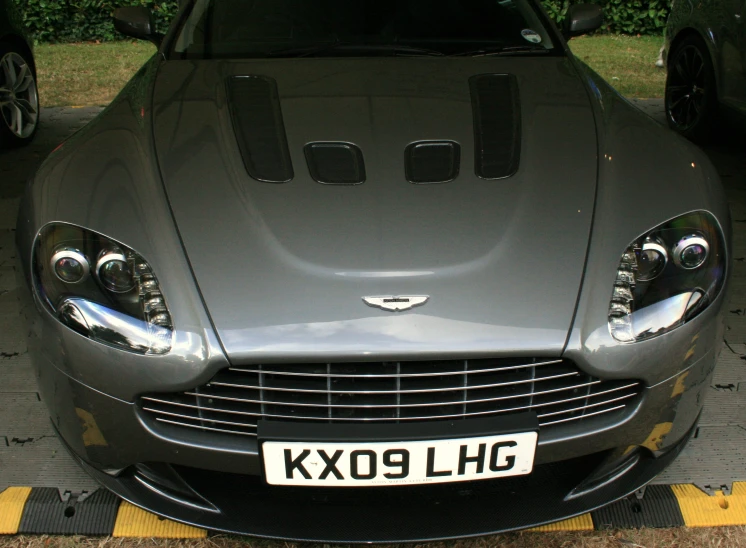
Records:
x=647, y=175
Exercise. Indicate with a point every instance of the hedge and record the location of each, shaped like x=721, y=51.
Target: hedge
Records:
x=621, y=16
x=90, y=20
x=85, y=20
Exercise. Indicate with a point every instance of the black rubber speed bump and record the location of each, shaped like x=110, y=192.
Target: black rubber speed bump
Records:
x=46, y=513
x=658, y=508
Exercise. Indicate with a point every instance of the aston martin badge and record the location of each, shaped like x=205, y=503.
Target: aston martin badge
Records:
x=396, y=304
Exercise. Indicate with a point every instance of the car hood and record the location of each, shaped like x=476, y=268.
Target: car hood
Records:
x=283, y=268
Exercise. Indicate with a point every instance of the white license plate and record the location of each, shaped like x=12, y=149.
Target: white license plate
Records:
x=398, y=463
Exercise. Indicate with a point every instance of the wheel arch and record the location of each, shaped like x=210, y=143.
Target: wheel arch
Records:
x=19, y=42
x=710, y=41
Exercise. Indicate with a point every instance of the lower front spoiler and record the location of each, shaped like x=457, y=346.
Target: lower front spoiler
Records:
x=245, y=505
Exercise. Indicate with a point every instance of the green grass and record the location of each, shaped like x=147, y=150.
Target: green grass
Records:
x=92, y=74
x=626, y=62
x=87, y=74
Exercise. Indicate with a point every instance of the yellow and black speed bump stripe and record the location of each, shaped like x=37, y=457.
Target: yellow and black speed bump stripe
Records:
x=701, y=510
x=579, y=523
x=134, y=522
x=46, y=513
x=41, y=511
x=12, y=505
x=658, y=508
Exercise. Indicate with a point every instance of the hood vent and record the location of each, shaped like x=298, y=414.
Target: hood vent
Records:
x=432, y=162
x=497, y=125
x=260, y=131
x=335, y=163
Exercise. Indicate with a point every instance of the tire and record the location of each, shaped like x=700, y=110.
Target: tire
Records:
x=691, y=92
x=19, y=98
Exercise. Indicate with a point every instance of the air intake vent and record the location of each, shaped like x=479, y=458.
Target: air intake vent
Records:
x=432, y=162
x=391, y=392
x=497, y=125
x=335, y=163
x=260, y=131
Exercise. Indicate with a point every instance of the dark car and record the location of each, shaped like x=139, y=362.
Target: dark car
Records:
x=19, y=98
x=373, y=270
x=706, y=85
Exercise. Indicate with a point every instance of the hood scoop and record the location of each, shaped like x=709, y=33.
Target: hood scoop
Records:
x=260, y=130
x=335, y=163
x=497, y=125
x=433, y=162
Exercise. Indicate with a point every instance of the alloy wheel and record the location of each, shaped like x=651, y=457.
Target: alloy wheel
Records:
x=687, y=89
x=19, y=99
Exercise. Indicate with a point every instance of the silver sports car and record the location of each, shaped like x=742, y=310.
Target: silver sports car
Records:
x=368, y=271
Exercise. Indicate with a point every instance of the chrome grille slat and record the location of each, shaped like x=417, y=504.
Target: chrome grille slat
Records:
x=212, y=421
x=398, y=389
x=585, y=407
x=581, y=417
x=567, y=400
x=329, y=389
x=392, y=419
x=436, y=404
x=485, y=413
x=207, y=428
x=409, y=375
x=391, y=392
x=423, y=391
x=261, y=389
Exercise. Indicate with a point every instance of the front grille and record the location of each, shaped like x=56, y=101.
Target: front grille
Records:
x=236, y=398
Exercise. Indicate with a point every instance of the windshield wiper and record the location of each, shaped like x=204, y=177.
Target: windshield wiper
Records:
x=351, y=47
x=500, y=50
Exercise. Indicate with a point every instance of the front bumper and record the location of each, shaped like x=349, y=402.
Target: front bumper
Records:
x=575, y=472
x=248, y=506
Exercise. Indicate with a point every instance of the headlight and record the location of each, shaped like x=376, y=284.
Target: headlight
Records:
x=102, y=289
x=666, y=277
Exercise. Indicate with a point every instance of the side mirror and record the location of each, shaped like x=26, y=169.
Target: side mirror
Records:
x=582, y=19
x=136, y=22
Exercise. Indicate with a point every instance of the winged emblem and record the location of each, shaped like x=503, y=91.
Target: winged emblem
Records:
x=396, y=304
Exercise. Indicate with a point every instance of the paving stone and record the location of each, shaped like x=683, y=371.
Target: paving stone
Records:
x=726, y=406
x=12, y=325
x=7, y=279
x=42, y=462
x=715, y=457
x=16, y=375
x=7, y=247
x=8, y=213
x=23, y=415
x=731, y=368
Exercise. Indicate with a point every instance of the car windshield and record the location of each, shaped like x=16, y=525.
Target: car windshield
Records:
x=360, y=28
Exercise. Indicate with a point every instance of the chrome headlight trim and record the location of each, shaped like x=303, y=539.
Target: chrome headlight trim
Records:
x=686, y=242
x=65, y=252
x=642, y=308
x=87, y=305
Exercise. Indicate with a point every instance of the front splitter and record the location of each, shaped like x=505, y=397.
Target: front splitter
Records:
x=247, y=506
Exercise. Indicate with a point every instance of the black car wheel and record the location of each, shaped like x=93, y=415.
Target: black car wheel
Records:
x=691, y=91
x=19, y=98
